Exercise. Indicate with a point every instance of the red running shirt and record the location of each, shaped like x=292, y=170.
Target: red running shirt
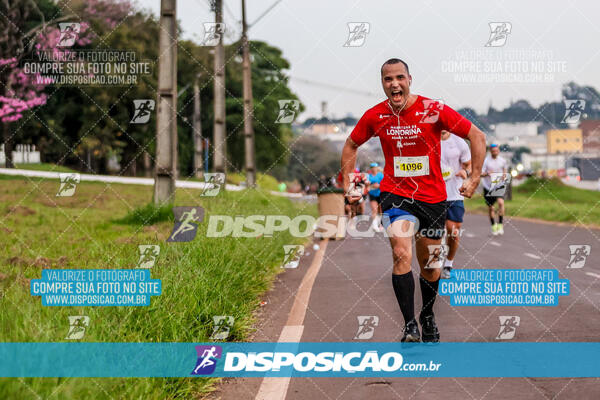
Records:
x=410, y=141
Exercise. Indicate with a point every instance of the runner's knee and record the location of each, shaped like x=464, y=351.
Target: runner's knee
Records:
x=431, y=275
x=453, y=230
x=401, y=253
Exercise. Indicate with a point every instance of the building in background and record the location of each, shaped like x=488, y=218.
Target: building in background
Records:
x=588, y=166
x=507, y=131
x=520, y=134
x=537, y=144
x=326, y=127
x=564, y=141
x=545, y=164
x=336, y=131
x=590, y=131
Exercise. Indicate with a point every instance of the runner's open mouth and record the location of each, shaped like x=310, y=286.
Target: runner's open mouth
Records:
x=396, y=95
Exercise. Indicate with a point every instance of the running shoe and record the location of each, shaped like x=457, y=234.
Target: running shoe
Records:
x=376, y=225
x=446, y=272
x=411, y=332
x=500, y=230
x=494, y=229
x=430, y=330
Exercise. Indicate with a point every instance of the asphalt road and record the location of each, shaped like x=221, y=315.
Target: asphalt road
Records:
x=354, y=280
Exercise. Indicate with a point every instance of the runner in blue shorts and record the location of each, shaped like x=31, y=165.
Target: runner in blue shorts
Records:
x=375, y=177
x=456, y=167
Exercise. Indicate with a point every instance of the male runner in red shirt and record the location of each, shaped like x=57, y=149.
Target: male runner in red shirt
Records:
x=413, y=191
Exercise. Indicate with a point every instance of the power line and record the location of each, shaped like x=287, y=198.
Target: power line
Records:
x=340, y=88
x=228, y=10
x=264, y=13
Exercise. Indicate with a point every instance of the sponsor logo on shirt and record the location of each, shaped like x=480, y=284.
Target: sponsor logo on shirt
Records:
x=431, y=111
x=404, y=130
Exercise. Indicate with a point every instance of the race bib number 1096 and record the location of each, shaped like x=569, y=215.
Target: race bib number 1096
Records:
x=411, y=166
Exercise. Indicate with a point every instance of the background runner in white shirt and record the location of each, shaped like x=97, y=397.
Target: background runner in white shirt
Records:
x=456, y=166
x=493, y=164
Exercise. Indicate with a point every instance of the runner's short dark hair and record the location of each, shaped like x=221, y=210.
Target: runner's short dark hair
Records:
x=395, y=61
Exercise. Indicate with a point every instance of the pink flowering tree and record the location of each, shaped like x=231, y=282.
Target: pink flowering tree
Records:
x=21, y=92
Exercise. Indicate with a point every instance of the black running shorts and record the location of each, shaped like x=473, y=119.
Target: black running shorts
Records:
x=431, y=216
x=490, y=200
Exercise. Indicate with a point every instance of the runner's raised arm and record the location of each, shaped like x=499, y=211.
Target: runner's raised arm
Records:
x=348, y=162
x=478, y=150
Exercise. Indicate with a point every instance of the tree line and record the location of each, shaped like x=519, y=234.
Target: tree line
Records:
x=86, y=126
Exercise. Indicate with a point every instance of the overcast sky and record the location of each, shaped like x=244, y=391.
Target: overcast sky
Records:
x=442, y=41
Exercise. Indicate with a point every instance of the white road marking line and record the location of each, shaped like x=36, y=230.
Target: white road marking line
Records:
x=495, y=243
x=276, y=388
x=597, y=276
x=533, y=256
x=469, y=235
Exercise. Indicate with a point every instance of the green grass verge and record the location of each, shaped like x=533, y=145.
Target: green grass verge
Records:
x=200, y=279
x=147, y=215
x=550, y=200
x=265, y=182
x=45, y=167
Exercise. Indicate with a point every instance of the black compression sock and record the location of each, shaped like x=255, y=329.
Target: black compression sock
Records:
x=404, y=288
x=492, y=220
x=500, y=219
x=428, y=294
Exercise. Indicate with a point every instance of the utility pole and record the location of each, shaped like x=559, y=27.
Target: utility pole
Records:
x=219, y=136
x=323, y=110
x=197, y=127
x=248, y=106
x=166, y=119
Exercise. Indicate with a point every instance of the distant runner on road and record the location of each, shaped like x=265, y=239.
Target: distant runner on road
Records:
x=494, y=164
x=375, y=177
x=456, y=167
x=413, y=192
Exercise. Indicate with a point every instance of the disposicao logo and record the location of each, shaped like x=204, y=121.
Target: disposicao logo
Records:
x=318, y=362
x=207, y=359
x=285, y=363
